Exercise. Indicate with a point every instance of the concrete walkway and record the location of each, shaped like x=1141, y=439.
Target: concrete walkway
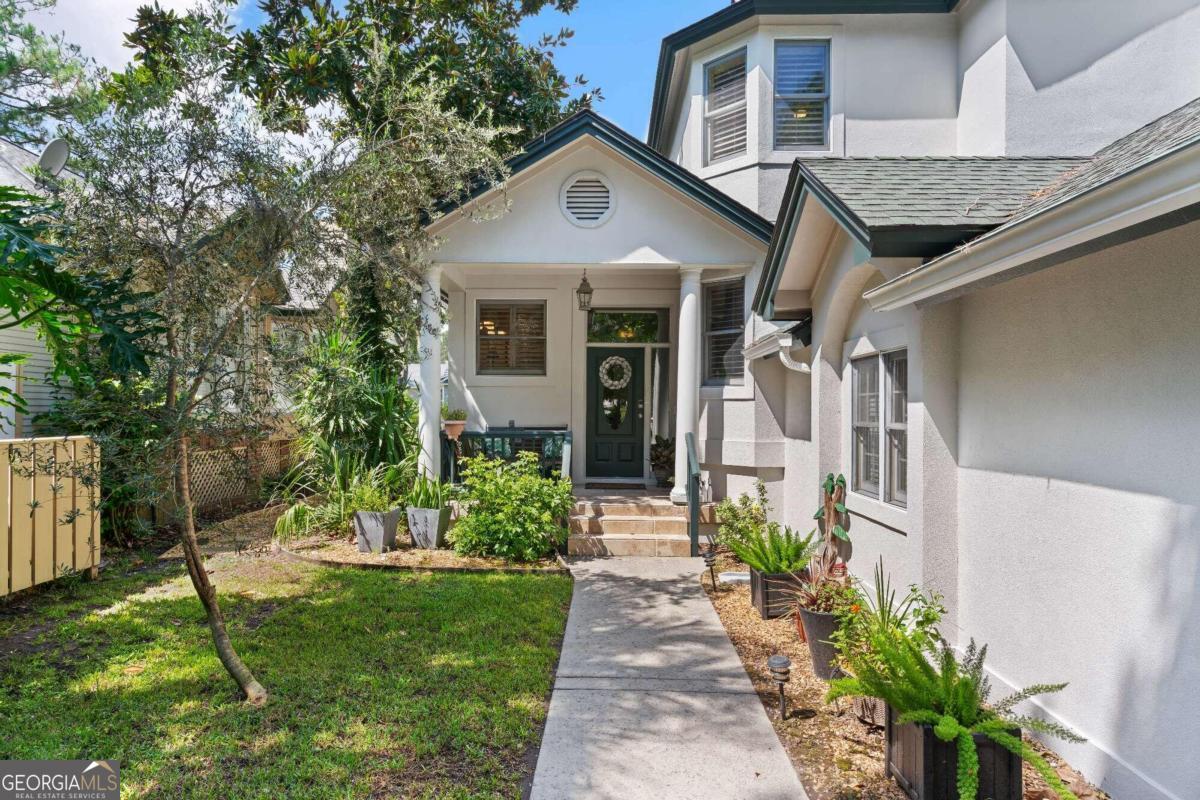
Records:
x=651, y=699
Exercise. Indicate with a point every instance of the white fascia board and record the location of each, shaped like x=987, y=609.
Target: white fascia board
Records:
x=1161, y=187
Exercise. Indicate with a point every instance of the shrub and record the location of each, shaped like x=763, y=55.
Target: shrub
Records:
x=744, y=520
x=326, y=489
x=512, y=511
x=453, y=414
x=884, y=612
x=777, y=550
x=925, y=683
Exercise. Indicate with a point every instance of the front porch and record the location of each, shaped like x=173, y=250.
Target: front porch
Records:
x=634, y=523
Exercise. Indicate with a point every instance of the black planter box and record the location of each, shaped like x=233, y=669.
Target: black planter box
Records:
x=772, y=594
x=926, y=768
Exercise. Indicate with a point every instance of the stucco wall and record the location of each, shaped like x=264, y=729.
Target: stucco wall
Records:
x=1079, y=508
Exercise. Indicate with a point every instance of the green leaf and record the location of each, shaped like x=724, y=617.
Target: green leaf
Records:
x=841, y=533
x=841, y=508
x=820, y=513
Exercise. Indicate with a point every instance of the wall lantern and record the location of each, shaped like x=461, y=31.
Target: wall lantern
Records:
x=584, y=293
x=780, y=666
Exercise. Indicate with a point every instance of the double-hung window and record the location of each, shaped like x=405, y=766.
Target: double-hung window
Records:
x=879, y=426
x=725, y=107
x=724, y=331
x=511, y=338
x=801, y=95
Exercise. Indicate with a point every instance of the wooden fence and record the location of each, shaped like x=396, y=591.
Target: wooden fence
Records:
x=223, y=479
x=49, y=518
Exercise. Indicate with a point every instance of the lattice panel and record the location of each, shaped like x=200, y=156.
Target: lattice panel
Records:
x=223, y=478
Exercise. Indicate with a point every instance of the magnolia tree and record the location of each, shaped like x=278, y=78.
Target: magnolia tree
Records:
x=218, y=217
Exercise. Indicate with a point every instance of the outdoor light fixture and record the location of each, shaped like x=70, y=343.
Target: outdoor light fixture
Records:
x=584, y=293
x=710, y=561
x=780, y=667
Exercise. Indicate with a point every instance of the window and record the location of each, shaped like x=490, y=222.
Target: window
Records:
x=724, y=331
x=879, y=424
x=725, y=107
x=511, y=338
x=801, y=95
x=628, y=327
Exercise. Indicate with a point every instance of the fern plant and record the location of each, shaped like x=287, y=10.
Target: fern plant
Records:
x=930, y=685
x=777, y=550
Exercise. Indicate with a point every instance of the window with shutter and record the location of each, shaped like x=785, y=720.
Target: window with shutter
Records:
x=725, y=107
x=801, y=95
x=511, y=338
x=724, y=331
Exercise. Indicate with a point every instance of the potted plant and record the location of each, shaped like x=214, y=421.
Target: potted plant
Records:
x=944, y=741
x=454, y=420
x=662, y=460
x=825, y=589
x=375, y=526
x=428, y=513
x=916, y=614
x=774, y=558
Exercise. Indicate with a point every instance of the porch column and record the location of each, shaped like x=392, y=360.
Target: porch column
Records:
x=687, y=376
x=429, y=411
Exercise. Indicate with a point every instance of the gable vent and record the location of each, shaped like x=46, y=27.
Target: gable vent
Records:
x=587, y=199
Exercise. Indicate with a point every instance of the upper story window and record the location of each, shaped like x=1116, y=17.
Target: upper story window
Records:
x=724, y=331
x=801, y=95
x=879, y=424
x=725, y=107
x=511, y=338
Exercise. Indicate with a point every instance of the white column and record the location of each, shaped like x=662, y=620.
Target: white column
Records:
x=687, y=375
x=429, y=411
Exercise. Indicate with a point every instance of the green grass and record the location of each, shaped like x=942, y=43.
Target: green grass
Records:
x=382, y=684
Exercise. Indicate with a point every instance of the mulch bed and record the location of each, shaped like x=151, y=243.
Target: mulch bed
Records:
x=837, y=756
x=339, y=552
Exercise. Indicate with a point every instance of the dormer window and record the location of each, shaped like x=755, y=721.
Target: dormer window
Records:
x=801, y=95
x=725, y=107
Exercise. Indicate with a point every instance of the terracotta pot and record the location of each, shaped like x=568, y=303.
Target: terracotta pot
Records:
x=453, y=428
x=799, y=624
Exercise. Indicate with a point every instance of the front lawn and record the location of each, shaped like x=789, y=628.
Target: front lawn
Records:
x=382, y=684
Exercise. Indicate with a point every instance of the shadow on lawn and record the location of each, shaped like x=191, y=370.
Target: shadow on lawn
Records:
x=381, y=684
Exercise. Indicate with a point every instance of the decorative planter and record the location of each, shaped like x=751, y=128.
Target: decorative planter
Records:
x=375, y=531
x=818, y=629
x=926, y=768
x=771, y=594
x=428, y=526
x=454, y=428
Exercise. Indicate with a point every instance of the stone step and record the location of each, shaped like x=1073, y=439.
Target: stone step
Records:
x=629, y=545
x=637, y=508
x=634, y=525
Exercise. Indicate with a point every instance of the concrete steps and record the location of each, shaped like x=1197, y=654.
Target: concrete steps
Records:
x=633, y=524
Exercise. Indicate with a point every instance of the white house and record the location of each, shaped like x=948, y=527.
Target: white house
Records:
x=945, y=248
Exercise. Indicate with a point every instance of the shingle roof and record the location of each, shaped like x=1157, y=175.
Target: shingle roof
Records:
x=936, y=191
x=1166, y=134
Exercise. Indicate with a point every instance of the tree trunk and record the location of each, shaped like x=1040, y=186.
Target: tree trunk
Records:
x=254, y=691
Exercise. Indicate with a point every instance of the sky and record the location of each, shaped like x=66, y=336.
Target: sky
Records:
x=615, y=45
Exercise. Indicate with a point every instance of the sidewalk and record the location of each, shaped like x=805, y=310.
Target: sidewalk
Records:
x=651, y=700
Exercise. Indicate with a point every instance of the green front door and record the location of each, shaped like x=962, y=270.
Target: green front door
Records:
x=615, y=435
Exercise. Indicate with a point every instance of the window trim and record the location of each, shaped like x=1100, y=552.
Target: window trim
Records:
x=706, y=333
x=513, y=304
x=709, y=115
x=886, y=491
x=826, y=96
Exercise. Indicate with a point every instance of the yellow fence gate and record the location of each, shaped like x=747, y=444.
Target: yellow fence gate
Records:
x=49, y=510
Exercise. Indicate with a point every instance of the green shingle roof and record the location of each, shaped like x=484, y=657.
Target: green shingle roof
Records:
x=936, y=191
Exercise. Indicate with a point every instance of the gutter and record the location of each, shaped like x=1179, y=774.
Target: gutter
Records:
x=1158, y=195
x=780, y=344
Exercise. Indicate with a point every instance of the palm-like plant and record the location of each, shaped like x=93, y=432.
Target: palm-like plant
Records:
x=930, y=685
x=777, y=550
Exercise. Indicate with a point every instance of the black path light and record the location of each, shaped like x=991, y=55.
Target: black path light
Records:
x=780, y=667
x=710, y=562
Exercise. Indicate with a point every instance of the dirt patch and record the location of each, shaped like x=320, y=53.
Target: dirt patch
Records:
x=339, y=551
x=837, y=756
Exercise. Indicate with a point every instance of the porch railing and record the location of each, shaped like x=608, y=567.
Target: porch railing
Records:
x=693, y=492
x=552, y=446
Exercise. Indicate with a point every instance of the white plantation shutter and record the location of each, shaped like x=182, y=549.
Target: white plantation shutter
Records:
x=511, y=338
x=724, y=331
x=801, y=95
x=725, y=107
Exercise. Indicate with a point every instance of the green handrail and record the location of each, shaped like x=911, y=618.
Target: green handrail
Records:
x=693, y=492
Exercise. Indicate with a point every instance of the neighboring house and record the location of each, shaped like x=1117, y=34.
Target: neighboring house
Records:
x=947, y=249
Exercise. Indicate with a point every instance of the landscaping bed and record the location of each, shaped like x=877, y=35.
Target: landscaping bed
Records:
x=836, y=755
x=337, y=550
x=382, y=684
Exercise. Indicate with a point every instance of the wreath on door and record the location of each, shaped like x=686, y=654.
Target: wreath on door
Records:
x=624, y=372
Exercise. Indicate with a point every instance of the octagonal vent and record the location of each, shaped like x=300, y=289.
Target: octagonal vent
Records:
x=587, y=199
